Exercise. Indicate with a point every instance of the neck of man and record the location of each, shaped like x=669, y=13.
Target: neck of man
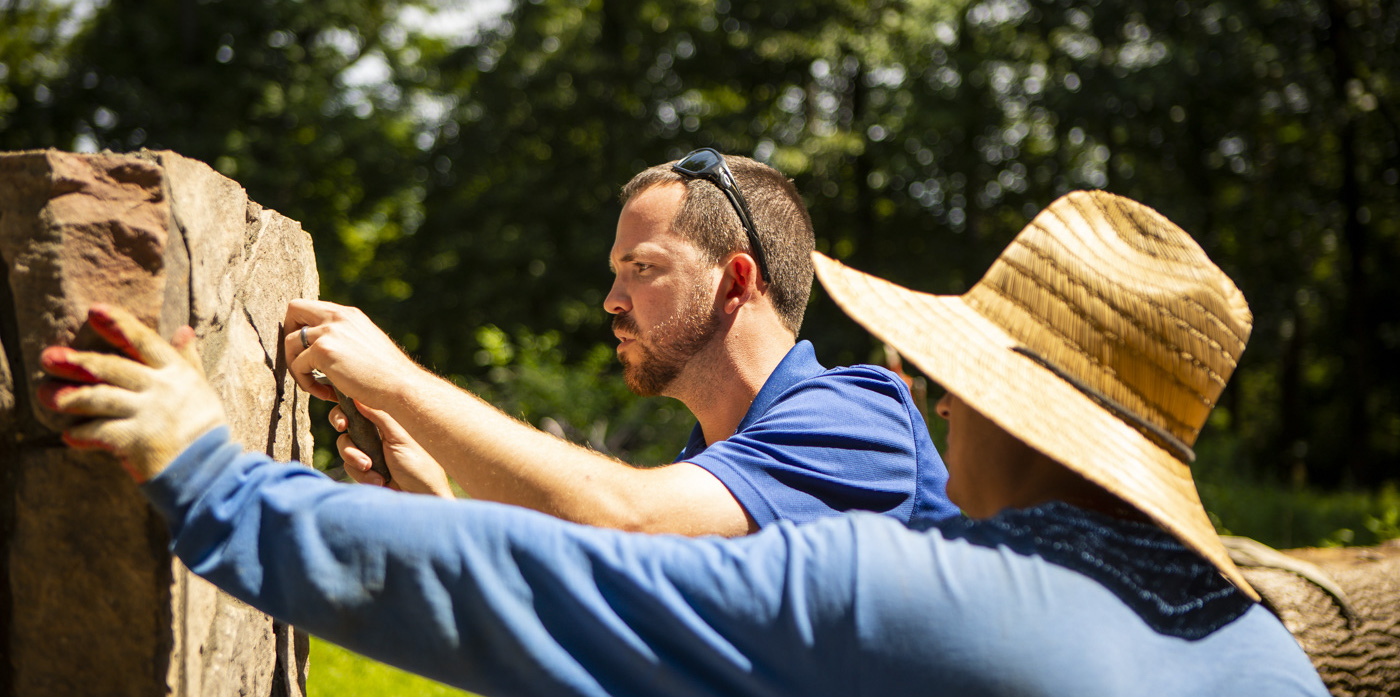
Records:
x=1051, y=481
x=720, y=383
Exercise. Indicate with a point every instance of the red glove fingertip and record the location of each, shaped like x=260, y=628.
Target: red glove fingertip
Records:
x=102, y=322
x=84, y=443
x=58, y=362
x=183, y=336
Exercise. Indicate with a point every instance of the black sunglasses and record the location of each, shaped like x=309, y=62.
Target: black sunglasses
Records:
x=706, y=163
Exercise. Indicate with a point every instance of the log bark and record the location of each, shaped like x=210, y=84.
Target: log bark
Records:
x=1357, y=656
x=93, y=602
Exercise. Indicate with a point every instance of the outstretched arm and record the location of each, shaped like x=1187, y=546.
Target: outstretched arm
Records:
x=502, y=600
x=491, y=455
x=491, y=598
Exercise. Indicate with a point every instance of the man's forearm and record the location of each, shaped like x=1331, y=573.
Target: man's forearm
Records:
x=491, y=455
x=498, y=458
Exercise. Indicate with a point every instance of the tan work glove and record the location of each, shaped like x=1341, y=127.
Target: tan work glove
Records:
x=145, y=408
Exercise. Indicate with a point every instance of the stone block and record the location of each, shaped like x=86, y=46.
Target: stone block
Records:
x=94, y=603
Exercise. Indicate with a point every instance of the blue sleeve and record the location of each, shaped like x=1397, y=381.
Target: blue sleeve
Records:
x=502, y=600
x=847, y=440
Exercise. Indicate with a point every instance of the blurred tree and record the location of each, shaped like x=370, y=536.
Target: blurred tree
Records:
x=269, y=93
x=1250, y=125
x=461, y=182
x=32, y=49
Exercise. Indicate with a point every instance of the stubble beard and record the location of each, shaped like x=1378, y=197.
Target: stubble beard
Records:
x=668, y=347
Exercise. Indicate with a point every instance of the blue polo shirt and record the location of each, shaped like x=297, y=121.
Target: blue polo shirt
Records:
x=818, y=442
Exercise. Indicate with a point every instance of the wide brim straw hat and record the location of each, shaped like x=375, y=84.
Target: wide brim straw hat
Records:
x=1102, y=337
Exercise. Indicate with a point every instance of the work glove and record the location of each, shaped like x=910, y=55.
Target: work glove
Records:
x=145, y=406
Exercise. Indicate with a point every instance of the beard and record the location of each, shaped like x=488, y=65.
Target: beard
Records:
x=664, y=351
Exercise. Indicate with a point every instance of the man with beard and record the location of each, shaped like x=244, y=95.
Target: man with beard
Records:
x=1079, y=372
x=712, y=275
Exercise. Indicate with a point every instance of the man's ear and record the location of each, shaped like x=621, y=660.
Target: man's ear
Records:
x=740, y=284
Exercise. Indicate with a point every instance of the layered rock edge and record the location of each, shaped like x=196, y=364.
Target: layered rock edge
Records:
x=94, y=602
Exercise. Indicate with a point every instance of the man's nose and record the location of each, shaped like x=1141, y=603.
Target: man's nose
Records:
x=617, y=300
x=943, y=407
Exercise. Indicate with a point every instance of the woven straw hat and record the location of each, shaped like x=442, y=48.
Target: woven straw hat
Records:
x=1101, y=337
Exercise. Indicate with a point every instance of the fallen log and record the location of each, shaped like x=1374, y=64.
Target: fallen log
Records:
x=1347, y=618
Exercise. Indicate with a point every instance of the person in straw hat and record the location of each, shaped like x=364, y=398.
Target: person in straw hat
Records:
x=1079, y=371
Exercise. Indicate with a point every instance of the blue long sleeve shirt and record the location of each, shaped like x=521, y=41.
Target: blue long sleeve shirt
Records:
x=505, y=601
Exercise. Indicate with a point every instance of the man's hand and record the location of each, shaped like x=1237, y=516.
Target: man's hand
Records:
x=410, y=466
x=146, y=407
x=359, y=358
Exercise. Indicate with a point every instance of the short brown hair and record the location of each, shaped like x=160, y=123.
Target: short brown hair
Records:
x=784, y=228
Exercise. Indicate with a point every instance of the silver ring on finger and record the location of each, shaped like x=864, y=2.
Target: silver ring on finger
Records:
x=306, y=344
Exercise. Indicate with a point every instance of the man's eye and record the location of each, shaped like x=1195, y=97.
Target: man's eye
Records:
x=642, y=267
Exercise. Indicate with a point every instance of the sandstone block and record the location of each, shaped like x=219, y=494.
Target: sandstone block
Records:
x=95, y=604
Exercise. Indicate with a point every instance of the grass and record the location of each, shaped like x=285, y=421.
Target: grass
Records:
x=336, y=672
x=1284, y=515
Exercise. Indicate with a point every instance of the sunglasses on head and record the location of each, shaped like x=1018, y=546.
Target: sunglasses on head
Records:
x=708, y=164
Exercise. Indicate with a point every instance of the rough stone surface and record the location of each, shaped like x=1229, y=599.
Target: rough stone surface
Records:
x=94, y=604
x=100, y=510
x=1356, y=658
x=7, y=382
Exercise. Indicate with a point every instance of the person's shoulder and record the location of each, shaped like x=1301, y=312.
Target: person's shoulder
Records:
x=1264, y=658
x=866, y=392
x=863, y=369
x=801, y=373
x=861, y=376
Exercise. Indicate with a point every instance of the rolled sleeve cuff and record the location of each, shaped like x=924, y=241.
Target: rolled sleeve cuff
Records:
x=180, y=485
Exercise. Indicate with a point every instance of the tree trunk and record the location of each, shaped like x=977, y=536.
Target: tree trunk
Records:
x=1360, y=466
x=1358, y=655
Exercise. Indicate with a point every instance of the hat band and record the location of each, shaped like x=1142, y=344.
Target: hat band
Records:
x=1155, y=433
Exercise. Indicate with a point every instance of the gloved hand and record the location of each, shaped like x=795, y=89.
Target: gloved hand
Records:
x=147, y=407
x=411, y=467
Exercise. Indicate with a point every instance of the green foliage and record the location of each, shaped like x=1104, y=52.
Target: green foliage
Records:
x=1286, y=515
x=1285, y=518
x=265, y=92
x=585, y=401
x=33, y=41
x=459, y=181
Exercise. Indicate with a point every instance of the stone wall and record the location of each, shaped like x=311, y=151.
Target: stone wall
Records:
x=94, y=603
